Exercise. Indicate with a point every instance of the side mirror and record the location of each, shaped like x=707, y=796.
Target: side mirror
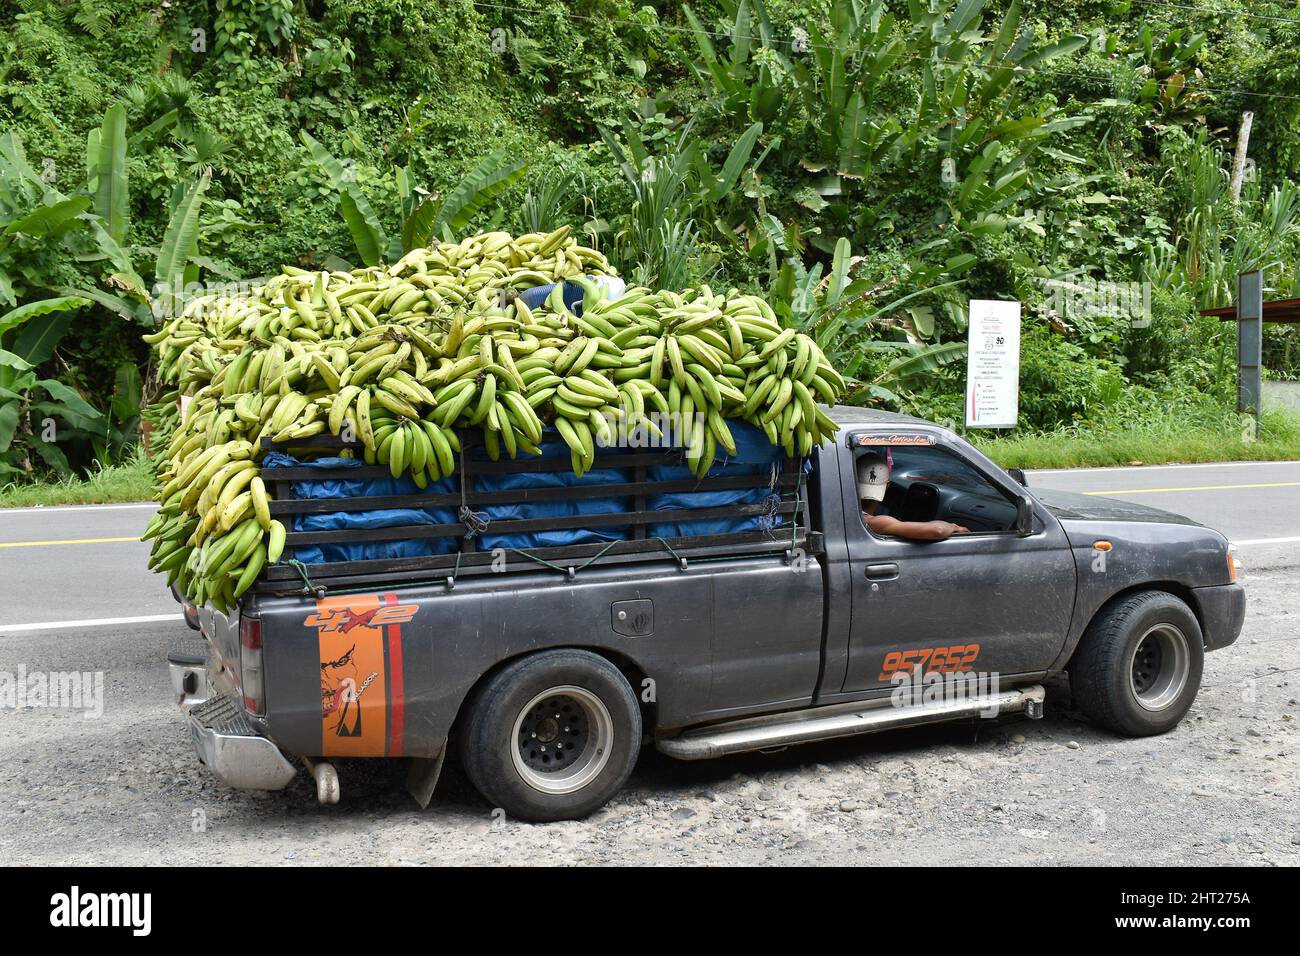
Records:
x=1024, y=516
x=1019, y=475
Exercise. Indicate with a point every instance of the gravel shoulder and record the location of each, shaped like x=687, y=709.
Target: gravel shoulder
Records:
x=1223, y=788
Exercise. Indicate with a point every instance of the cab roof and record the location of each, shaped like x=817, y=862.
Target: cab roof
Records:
x=852, y=415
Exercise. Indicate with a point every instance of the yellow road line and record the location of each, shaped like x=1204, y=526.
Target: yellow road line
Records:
x=1148, y=491
x=41, y=544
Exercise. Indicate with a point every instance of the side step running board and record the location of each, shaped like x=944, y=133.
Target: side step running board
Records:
x=840, y=720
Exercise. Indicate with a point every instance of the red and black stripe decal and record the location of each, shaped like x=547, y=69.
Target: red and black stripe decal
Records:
x=396, y=685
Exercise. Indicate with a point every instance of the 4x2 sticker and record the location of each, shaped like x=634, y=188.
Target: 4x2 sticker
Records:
x=344, y=619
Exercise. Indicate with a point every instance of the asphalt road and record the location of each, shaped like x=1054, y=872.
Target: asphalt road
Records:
x=1256, y=504
x=75, y=596
x=1247, y=501
x=74, y=564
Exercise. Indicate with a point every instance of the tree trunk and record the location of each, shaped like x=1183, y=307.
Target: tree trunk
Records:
x=1239, y=157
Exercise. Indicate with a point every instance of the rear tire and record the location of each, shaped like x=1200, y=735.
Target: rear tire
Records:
x=1137, y=668
x=553, y=736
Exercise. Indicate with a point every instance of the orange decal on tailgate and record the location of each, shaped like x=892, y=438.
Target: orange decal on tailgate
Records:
x=353, y=689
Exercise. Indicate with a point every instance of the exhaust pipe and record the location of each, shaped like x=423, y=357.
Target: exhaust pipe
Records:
x=327, y=780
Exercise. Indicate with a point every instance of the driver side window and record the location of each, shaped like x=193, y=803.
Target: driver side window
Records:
x=927, y=483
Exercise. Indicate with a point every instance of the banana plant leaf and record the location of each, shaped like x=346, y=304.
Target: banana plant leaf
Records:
x=9, y=413
x=481, y=185
x=37, y=340
x=30, y=310
x=364, y=225
x=924, y=359
x=181, y=238
x=10, y=360
x=70, y=400
x=111, y=197
x=735, y=162
x=48, y=221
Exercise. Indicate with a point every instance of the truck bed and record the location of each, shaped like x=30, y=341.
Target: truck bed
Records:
x=469, y=558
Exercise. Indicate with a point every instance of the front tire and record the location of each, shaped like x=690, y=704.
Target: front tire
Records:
x=553, y=736
x=1138, y=666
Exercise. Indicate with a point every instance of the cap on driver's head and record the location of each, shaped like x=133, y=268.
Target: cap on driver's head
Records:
x=873, y=476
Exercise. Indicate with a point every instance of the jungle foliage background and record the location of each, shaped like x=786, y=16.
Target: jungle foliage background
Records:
x=870, y=165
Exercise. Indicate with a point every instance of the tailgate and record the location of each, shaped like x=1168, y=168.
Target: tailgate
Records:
x=222, y=634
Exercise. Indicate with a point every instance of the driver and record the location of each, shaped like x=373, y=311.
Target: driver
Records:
x=873, y=479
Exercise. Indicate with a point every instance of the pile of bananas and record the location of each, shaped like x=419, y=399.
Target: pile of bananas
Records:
x=403, y=359
x=314, y=307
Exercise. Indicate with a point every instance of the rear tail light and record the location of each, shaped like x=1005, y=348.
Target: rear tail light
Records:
x=1234, y=564
x=250, y=665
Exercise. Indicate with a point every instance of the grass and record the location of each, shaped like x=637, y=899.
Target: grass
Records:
x=130, y=481
x=1163, y=439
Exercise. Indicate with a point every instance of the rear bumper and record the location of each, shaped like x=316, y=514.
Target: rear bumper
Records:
x=228, y=744
x=1223, y=610
x=188, y=668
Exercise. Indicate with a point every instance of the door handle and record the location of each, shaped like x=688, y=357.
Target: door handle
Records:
x=882, y=571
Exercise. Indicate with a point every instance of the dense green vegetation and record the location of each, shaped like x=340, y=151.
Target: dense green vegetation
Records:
x=870, y=165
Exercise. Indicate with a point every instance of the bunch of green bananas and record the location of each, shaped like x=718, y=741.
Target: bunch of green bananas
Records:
x=696, y=359
x=214, y=532
x=399, y=360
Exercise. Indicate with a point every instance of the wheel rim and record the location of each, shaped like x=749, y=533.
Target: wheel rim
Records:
x=1160, y=665
x=562, y=739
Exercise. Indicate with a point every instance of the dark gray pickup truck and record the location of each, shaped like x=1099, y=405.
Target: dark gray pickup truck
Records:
x=547, y=672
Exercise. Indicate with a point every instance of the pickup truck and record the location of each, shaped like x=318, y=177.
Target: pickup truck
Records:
x=546, y=673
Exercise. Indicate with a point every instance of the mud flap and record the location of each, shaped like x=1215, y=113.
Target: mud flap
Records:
x=422, y=777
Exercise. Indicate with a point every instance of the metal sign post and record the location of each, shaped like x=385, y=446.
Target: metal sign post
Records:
x=1250, y=344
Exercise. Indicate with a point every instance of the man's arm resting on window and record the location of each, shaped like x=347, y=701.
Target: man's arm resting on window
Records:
x=912, y=530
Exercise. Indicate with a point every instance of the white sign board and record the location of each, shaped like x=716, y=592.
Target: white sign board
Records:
x=993, y=364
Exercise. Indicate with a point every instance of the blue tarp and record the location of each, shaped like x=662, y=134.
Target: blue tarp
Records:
x=384, y=518
x=552, y=509
x=754, y=456
x=573, y=294
x=537, y=295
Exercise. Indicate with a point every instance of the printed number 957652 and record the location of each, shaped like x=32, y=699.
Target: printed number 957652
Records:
x=945, y=660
